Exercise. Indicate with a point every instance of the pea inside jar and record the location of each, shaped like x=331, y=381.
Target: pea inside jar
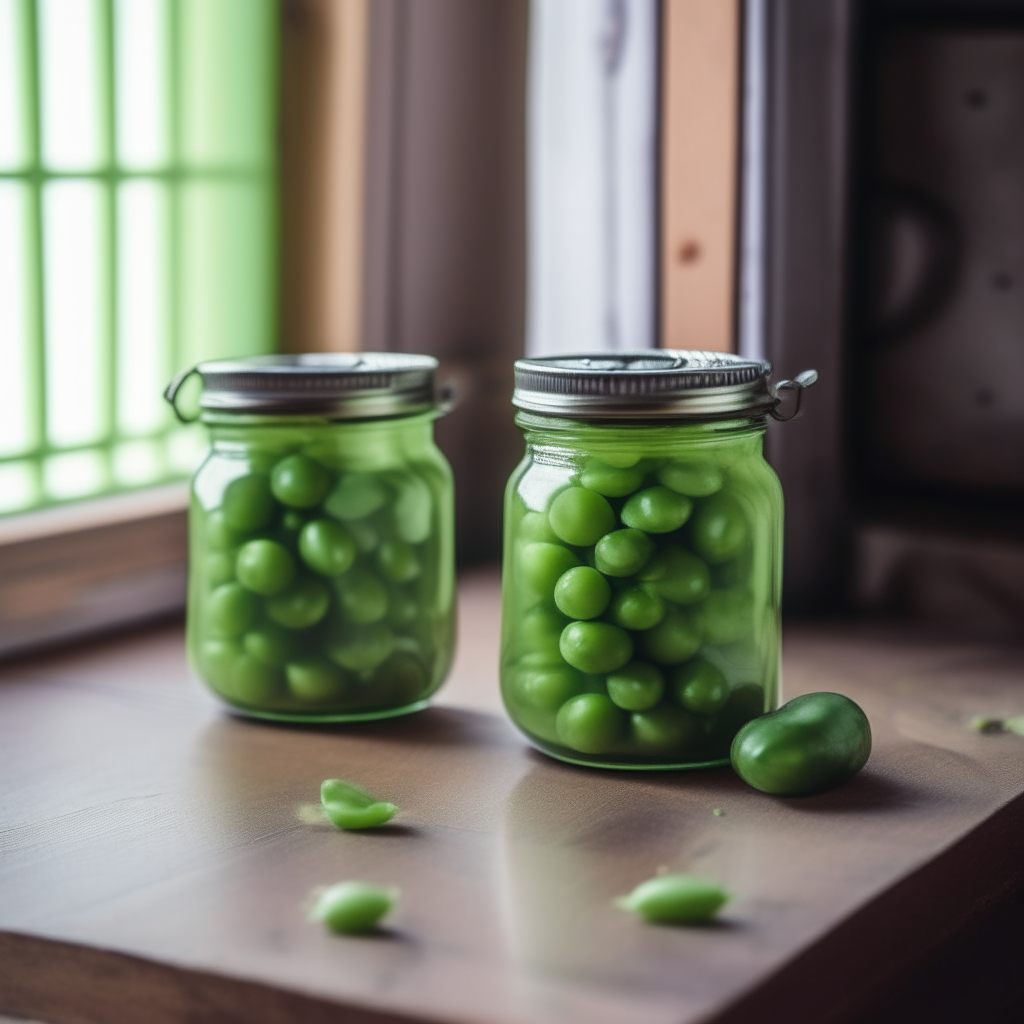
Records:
x=642, y=561
x=321, y=549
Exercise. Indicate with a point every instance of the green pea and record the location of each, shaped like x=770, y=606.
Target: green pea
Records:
x=637, y=608
x=299, y=481
x=595, y=647
x=269, y=644
x=620, y=460
x=255, y=682
x=656, y=510
x=547, y=689
x=217, y=535
x=363, y=647
x=362, y=596
x=674, y=640
x=356, y=495
x=397, y=561
x=541, y=565
x=292, y=522
x=314, y=679
x=302, y=605
x=636, y=686
x=676, y=574
x=353, y=907
x=401, y=680
x=812, y=743
x=217, y=660
x=589, y=723
x=700, y=687
x=580, y=517
x=350, y=807
x=727, y=616
x=539, y=632
x=534, y=526
x=718, y=530
x=676, y=899
x=695, y=479
x=623, y=552
x=364, y=534
x=663, y=730
x=327, y=547
x=231, y=609
x=609, y=480
x=413, y=509
x=264, y=567
x=220, y=567
x=248, y=504
x=403, y=608
x=582, y=593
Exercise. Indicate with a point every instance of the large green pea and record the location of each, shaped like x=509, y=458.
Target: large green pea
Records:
x=718, y=530
x=610, y=480
x=656, y=510
x=231, y=609
x=357, y=495
x=582, y=593
x=302, y=605
x=327, y=547
x=674, y=640
x=637, y=608
x=353, y=907
x=363, y=598
x=589, y=723
x=217, y=535
x=403, y=608
x=676, y=574
x=220, y=567
x=727, y=616
x=547, y=689
x=541, y=565
x=299, y=481
x=636, y=686
x=812, y=743
x=413, y=509
x=534, y=526
x=538, y=633
x=248, y=504
x=663, y=730
x=264, y=567
x=217, y=660
x=580, y=517
x=255, y=682
x=623, y=552
x=314, y=679
x=695, y=479
x=595, y=647
x=397, y=561
x=401, y=680
x=676, y=899
x=269, y=644
x=700, y=687
x=364, y=534
x=363, y=647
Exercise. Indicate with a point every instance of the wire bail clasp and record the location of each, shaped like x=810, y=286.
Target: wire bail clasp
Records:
x=799, y=384
x=172, y=389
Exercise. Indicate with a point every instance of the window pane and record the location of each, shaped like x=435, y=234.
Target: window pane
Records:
x=16, y=390
x=75, y=474
x=14, y=115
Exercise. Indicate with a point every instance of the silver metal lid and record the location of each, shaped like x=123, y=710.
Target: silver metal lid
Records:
x=655, y=383
x=342, y=385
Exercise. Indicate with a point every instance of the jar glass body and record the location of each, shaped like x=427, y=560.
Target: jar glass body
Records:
x=321, y=566
x=640, y=590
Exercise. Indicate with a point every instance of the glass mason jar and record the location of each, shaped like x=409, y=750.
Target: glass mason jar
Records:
x=643, y=557
x=321, y=542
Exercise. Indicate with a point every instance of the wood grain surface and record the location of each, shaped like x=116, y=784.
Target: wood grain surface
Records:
x=156, y=853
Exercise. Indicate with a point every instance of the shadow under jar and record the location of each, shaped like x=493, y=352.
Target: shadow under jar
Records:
x=643, y=557
x=321, y=543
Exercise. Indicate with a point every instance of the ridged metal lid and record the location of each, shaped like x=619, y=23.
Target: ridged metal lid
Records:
x=656, y=383
x=342, y=385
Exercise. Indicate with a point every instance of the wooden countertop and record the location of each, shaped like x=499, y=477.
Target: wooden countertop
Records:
x=154, y=856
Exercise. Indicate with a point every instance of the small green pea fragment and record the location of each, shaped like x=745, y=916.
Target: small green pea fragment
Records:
x=353, y=907
x=986, y=724
x=718, y=812
x=676, y=899
x=1015, y=725
x=350, y=807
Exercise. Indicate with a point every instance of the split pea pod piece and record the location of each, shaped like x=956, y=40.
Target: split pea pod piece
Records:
x=350, y=807
x=353, y=907
x=676, y=899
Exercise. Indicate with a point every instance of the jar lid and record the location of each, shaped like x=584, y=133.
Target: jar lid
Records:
x=656, y=383
x=342, y=385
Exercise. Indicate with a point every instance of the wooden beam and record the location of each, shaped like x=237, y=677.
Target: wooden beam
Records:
x=700, y=133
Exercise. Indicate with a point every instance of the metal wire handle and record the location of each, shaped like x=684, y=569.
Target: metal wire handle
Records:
x=172, y=389
x=799, y=384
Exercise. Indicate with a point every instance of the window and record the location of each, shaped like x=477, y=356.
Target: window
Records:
x=137, y=229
